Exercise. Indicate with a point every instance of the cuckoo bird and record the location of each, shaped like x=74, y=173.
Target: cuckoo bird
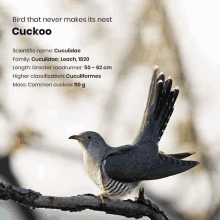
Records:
x=119, y=170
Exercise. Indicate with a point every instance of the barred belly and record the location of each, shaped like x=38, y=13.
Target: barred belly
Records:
x=114, y=188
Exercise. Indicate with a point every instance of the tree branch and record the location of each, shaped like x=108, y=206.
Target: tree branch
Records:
x=128, y=208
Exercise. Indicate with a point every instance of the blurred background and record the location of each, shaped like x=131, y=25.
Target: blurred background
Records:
x=182, y=37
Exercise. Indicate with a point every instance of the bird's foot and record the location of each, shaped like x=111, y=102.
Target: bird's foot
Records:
x=102, y=197
x=141, y=199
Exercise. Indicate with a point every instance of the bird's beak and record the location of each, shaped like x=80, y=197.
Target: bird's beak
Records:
x=76, y=137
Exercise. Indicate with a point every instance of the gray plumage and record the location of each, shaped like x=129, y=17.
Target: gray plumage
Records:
x=117, y=171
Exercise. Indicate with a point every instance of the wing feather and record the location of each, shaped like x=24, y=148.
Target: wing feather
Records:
x=129, y=163
x=168, y=166
x=133, y=164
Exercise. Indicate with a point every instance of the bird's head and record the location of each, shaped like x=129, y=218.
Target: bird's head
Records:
x=89, y=140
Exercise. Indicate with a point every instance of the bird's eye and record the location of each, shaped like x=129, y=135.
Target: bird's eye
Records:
x=89, y=137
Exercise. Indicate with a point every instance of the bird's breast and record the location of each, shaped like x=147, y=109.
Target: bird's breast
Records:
x=92, y=168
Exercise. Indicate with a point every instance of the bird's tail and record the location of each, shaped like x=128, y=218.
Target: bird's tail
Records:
x=164, y=104
x=159, y=108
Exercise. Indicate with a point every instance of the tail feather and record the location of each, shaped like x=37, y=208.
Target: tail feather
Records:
x=159, y=91
x=159, y=108
x=166, y=98
x=151, y=96
x=167, y=112
x=161, y=77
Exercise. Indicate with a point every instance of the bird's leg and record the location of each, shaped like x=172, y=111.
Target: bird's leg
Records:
x=144, y=201
x=102, y=196
x=140, y=197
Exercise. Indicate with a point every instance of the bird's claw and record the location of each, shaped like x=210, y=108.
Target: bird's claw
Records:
x=102, y=196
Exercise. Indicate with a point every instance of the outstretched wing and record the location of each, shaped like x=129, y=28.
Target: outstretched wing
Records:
x=158, y=110
x=130, y=164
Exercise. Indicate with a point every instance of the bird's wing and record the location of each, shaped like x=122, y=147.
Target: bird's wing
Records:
x=130, y=163
x=158, y=110
x=168, y=166
x=179, y=155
